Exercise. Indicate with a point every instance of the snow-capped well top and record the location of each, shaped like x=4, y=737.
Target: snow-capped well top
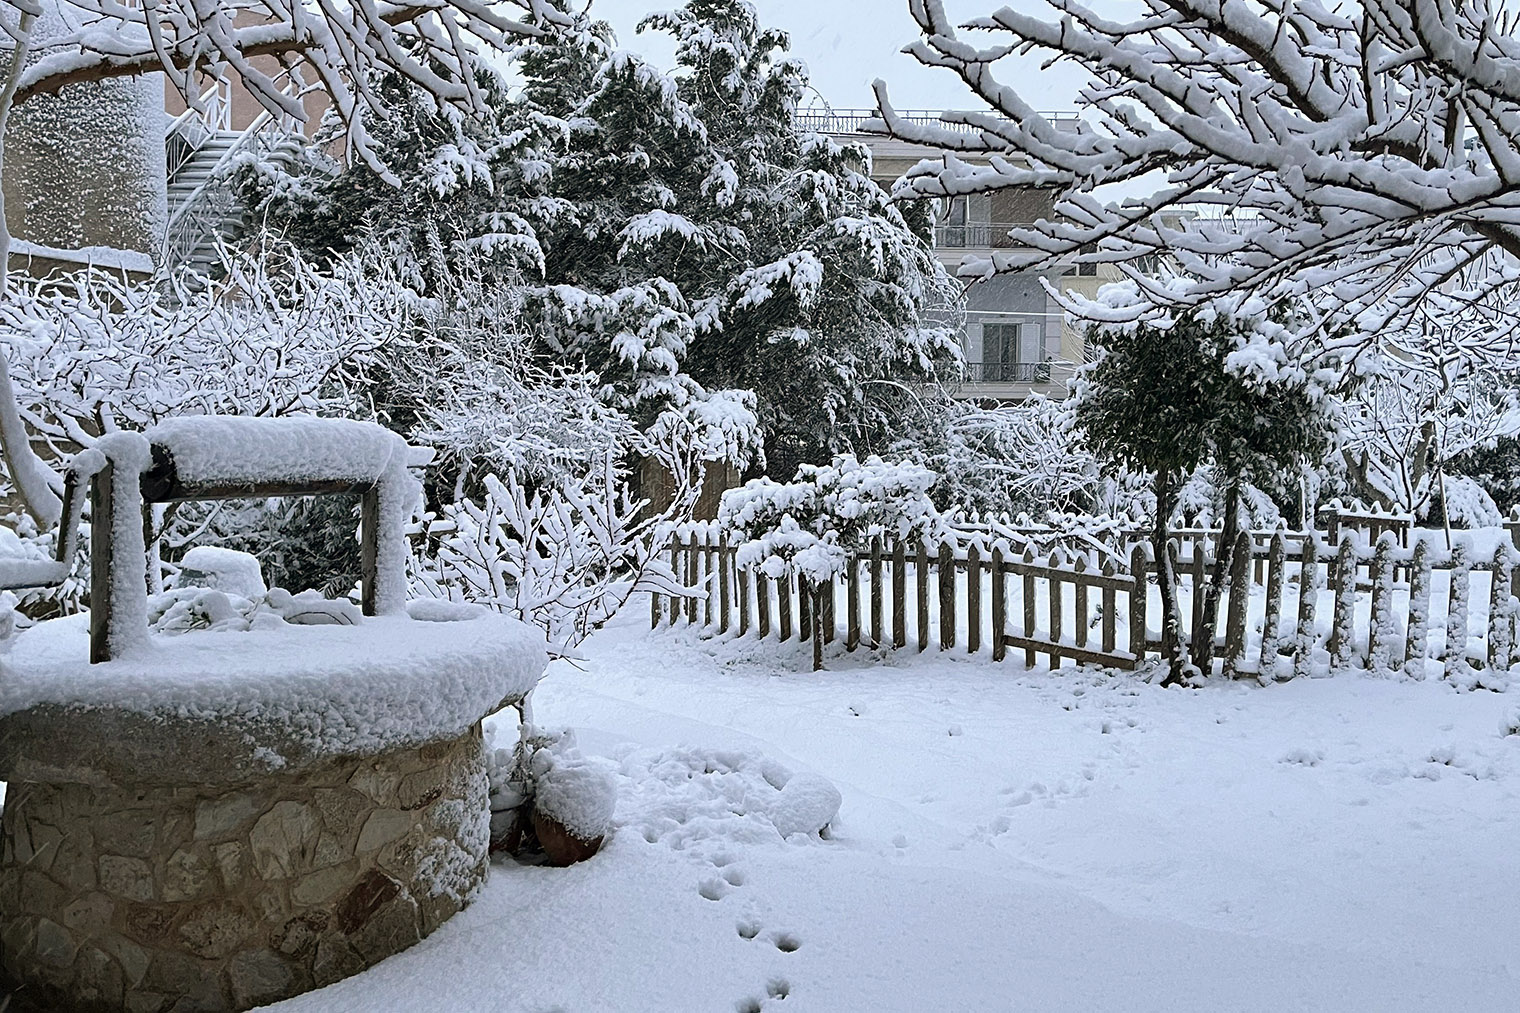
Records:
x=270, y=697
x=236, y=450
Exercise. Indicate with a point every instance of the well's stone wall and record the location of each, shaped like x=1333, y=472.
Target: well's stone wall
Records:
x=162, y=897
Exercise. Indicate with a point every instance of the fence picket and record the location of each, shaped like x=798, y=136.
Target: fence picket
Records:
x=1079, y=618
x=946, y=597
x=784, y=606
x=1198, y=567
x=876, y=590
x=899, y=596
x=1456, y=614
x=1308, y=603
x=1029, y=604
x=1419, y=613
x=1110, y=597
x=1138, y=598
x=763, y=603
x=725, y=604
x=921, y=579
x=1380, y=631
x=999, y=605
x=693, y=579
x=1342, y=634
x=1055, y=609
x=804, y=611
x=852, y=603
x=1271, y=620
x=743, y=577
x=1240, y=596
x=973, y=600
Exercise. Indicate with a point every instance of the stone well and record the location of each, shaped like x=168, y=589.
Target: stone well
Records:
x=218, y=845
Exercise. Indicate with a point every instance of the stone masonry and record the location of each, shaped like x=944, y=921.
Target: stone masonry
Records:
x=190, y=898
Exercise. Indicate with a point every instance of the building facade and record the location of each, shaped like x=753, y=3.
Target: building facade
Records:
x=1015, y=336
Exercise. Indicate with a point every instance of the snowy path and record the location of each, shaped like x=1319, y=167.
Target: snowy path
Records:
x=1008, y=841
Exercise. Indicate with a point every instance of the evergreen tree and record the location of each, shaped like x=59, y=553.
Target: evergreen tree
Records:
x=716, y=245
x=1210, y=386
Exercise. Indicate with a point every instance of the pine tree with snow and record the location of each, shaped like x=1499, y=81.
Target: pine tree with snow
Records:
x=714, y=244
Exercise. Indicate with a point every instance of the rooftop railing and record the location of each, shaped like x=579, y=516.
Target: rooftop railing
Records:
x=852, y=121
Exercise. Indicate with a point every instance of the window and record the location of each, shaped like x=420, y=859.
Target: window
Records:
x=1011, y=351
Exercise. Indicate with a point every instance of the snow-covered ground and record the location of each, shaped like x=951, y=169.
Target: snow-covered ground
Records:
x=1009, y=840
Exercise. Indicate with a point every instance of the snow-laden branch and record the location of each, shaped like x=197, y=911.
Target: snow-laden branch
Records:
x=1367, y=155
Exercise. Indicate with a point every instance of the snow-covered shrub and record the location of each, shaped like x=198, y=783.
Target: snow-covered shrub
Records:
x=557, y=537
x=1014, y=459
x=544, y=774
x=809, y=527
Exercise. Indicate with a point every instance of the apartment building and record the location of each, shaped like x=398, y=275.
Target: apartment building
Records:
x=1016, y=339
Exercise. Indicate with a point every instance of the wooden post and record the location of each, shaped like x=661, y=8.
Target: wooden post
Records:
x=707, y=562
x=1456, y=613
x=1200, y=578
x=805, y=601
x=784, y=605
x=1266, y=665
x=742, y=577
x=852, y=601
x=1055, y=609
x=102, y=522
x=1029, y=607
x=725, y=602
x=813, y=594
x=1080, y=618
x=899, y=596
x=1109, y=598
x=369, y=545
x=1308, y=603
x=1418, y=627
x=1240, y=596
x=973, y=599
x=1342, y=632
x=921, y=579
x=826, y=614
x=946, y=597
x=763, y=603
x=1380, y=636
x=693, y=577
x=999, y=605
x=1138, y=598
x=877, y=590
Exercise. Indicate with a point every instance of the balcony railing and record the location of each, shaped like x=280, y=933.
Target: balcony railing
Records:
x=852, y=121
x=1007, y=372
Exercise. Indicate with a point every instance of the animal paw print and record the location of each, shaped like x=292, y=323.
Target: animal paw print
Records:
x=728, y=877
x=776, y=990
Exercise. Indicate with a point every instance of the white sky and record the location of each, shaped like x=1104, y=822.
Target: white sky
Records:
x=848, y=43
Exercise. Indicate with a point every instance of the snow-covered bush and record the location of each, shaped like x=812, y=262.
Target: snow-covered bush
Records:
x=809, y=527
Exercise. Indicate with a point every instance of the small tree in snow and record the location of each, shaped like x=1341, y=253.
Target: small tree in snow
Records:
x=810, y=527
x=1166, y=396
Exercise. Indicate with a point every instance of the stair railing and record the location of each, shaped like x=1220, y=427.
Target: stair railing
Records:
x=202, y=213
x=190, y=130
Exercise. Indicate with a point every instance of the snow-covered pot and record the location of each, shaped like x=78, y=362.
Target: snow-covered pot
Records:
x=220, y=820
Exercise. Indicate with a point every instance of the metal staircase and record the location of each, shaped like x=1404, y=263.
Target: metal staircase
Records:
x=202, y=152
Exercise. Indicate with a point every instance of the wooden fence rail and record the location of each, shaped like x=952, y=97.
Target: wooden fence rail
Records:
x=1295, y=603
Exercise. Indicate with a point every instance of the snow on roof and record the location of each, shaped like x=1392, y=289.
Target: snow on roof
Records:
x=230, y=449
x=387, y=682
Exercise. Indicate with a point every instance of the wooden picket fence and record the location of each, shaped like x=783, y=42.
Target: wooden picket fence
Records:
x=1381, y=601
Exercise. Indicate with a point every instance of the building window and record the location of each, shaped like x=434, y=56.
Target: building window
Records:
x=1012, y=352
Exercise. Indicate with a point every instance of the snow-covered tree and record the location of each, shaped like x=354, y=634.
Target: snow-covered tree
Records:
x=1366, y=153
x=715, y=245
x=1210, y=385
x=335, y=49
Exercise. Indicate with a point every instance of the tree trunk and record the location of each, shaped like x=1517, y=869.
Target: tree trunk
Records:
x=1224, y=557
x=1166, y=580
